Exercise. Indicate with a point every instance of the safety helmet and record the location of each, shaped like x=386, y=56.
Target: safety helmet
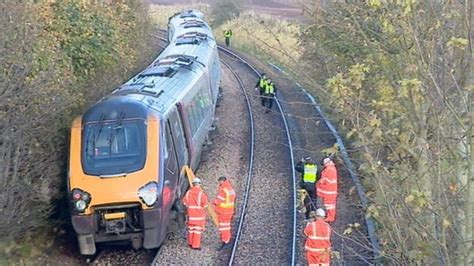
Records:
x=196, y=180
x=309, y=160
x=320, y=212
x=326, y=160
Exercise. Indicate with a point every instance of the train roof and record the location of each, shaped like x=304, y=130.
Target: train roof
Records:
x=172, y=73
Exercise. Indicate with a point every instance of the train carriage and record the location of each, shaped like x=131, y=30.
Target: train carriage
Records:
x=128, y=150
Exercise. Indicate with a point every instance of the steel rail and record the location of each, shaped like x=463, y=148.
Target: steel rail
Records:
x=250, y=167
x=290, y=146
x=374, y=241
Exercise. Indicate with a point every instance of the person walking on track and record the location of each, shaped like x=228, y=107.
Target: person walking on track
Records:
x=224, y=206
x=309, y=174
x=227, y=35
x=318, y=239
x=326, y=188
x=195, y=201
x=261, y=83
x=268, y=93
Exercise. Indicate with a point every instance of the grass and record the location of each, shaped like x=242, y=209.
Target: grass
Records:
x=266, y=37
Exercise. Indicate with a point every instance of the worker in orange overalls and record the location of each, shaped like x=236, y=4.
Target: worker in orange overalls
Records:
x=224, y=206
x=326, y=188
x=195, y=201
x=318, y=241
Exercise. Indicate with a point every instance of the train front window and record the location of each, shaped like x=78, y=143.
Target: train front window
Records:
x=112, y=148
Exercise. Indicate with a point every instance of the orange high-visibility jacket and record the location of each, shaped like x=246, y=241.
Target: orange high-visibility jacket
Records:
x=326, y=187
x=225, y=199
x=318, y=235
x=196, y=201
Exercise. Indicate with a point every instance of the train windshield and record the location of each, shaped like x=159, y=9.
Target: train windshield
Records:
x=114, y=148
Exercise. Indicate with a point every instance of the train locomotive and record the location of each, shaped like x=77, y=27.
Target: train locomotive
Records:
x=128, y=151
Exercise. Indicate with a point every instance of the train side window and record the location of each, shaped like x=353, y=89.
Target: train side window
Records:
x=198, y=109
x=171, y=163
x=193, y=116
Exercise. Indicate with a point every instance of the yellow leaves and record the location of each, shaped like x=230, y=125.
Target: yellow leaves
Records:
x=332, y=150
x=446, y=223
x=457, y=43
x=350, y=228
x=374, y=3
x=409, y=198
x=351, y=133
x=373, y=121
x=372, y=211
x=387, y=26
x=408, y=6
x=418, y=200
x=347, y=231
x=411, y=88
x=357, y=75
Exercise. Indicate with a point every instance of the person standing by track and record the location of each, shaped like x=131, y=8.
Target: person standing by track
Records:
x=309, y=174
x=195, y=201
x=318, y=239
x=224, y=207
x=268, y=94
x=261, y=83
x=326, y=188
x=227, y=36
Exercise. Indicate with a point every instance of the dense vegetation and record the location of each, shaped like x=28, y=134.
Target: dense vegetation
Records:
x=56, y=57
x=399, y=81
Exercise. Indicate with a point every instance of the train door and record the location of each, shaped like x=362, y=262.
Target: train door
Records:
x=177, y=134
x=173, y=218
x=214, y=76
x=171, y=171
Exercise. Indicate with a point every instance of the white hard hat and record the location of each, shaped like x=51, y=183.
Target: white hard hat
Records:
x=326, y=160
x=320, y=212
x=197, y=180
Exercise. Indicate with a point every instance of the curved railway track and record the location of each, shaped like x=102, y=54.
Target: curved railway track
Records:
x=266, y=227
x=251, y=245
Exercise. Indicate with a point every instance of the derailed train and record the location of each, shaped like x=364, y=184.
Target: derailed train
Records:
x=128, y=150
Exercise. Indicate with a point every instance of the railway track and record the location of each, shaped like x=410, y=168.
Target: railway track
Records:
x=252, y=244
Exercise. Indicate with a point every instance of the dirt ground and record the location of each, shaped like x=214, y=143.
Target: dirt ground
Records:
x=286, y=9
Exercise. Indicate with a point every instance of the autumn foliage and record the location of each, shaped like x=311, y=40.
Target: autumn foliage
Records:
x=397, y=75
x=56, y=57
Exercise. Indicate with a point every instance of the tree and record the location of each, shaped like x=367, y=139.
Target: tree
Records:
x=398, y=74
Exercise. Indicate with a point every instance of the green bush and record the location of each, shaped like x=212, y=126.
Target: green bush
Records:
x=56, y=58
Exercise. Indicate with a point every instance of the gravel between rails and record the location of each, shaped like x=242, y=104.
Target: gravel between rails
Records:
x=267, y=231
x=310, y=136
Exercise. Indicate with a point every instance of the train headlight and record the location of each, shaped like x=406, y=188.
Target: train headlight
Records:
x=148, y=193
x=80, y=200
x=80, y=205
